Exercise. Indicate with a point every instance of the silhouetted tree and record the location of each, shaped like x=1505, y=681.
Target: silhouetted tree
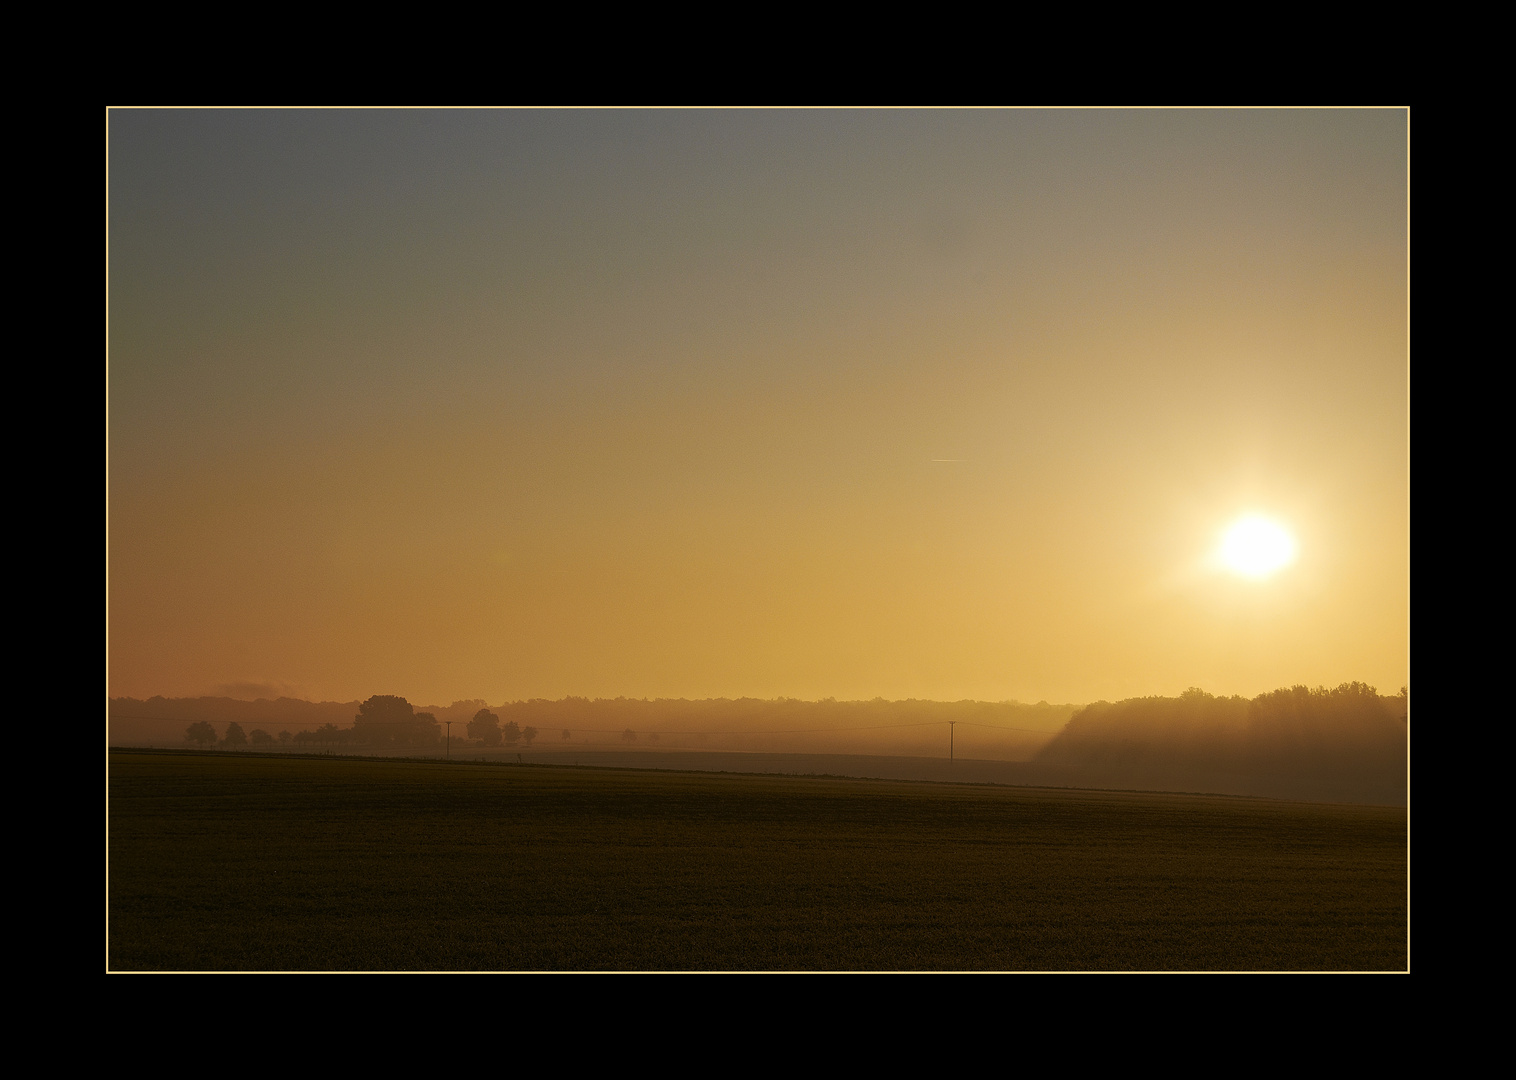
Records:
x=284, y=738
x=235, y=736
x=511, y=733
x=485, y=726
x=201, y=734
x=566, y=733
x=259, y=737
x=527, y=735
x=382, y=719
x=628, y=735
x=386, y=720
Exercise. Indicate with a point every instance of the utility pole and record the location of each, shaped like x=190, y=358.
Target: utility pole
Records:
x=952, y=727
x=448, y=754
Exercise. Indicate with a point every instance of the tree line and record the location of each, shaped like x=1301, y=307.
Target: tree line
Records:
x=383, y=721
x=1351, y=726
x=1006, y=729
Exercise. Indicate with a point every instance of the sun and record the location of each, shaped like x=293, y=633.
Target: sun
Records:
x=1256, y=547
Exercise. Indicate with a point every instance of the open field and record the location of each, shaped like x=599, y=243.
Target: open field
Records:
x=1385, y=786
x=222, y=861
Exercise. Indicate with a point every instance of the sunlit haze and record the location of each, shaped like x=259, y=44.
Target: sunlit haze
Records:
x=1256, y=547
x=852, y=404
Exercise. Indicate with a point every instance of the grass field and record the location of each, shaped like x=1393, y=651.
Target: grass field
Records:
x=240, y=862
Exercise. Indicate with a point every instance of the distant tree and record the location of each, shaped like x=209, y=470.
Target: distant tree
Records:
x=383, y=719
x=527, y=735
x=235, y=736
x=628, y=735
x=511, y=733
x=386, y=720
x=566, y=733
x=202, y=734
x=652, y=737
x=284, y=738
x=259, y=737
x=485, y=726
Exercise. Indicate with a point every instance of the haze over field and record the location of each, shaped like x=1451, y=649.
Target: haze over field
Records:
x=1064, y=406
x=1003, y=731
x=1348, y=744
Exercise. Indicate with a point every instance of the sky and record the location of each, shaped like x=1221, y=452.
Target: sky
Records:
x=940, y=404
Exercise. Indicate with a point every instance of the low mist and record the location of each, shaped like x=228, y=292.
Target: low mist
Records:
x=1347, y=744
x=970, y=730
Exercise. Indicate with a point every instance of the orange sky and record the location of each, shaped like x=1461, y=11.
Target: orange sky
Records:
x=691, y=404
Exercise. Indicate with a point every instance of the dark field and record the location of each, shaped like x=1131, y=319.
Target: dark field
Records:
x=240, y=862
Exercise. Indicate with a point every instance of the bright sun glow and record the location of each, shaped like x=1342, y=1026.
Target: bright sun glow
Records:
x=1256, y=547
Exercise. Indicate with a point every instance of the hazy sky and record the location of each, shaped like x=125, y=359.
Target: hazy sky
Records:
x=693, y=404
